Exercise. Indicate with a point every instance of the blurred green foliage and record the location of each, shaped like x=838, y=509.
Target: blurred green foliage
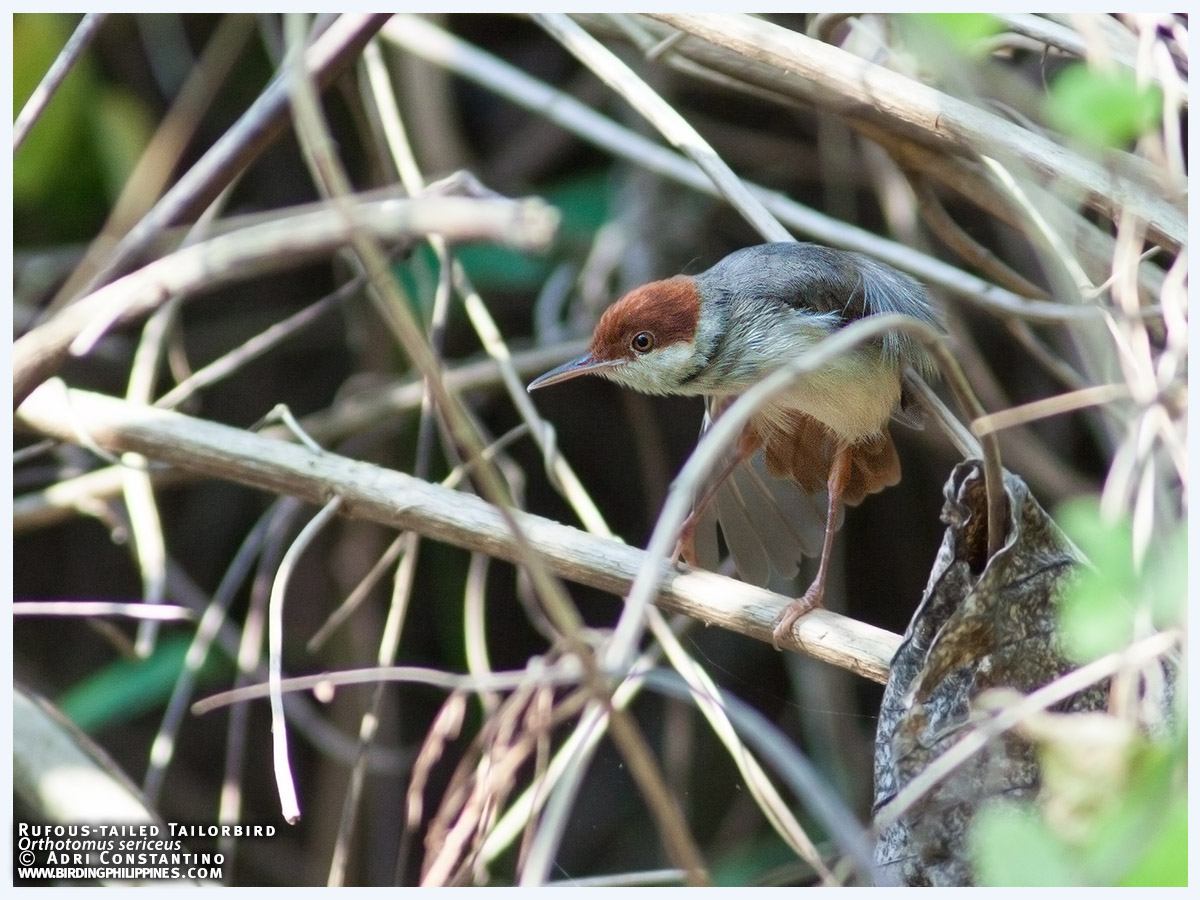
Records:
x=83, y=147
x=127, y=688
x=583, y=201
x=1112, y=808
x=1013, y=847
x=1102, y=108
x=965, y=31
x=1128, y=831
x=1098, y=614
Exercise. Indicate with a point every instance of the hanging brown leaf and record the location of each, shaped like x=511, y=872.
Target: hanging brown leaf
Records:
x=982, y=624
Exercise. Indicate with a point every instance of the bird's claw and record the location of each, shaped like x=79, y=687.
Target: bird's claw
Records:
x=793, y=612
x=685, y=549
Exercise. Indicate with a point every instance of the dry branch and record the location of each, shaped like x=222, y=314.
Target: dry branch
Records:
x=258, y=127
x=426, y=41
x=401, y=501
x=86, y=494
x=262, y=248
x=855, y=87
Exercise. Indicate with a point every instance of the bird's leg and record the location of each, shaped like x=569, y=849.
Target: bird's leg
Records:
x=839, y=474
x=686, y=547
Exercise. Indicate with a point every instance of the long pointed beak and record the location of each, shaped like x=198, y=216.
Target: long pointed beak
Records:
x=584, y=365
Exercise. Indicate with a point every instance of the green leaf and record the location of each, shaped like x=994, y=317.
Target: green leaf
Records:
x=1135, y=822
x=1165, y=863
x=1096, y=614
x=964, y=30
x=1165, y=579
x=1105, y=109
x=129, y=687
x=1094, y=619
x=1013, y=848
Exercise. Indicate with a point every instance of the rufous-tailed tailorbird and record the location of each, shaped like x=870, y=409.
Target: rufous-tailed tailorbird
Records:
x=717, y=333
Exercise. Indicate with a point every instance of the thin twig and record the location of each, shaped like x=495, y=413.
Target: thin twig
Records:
x=842, y=80
x=62, y=778
x=970, y=181
x=675, y=128
x=289, y=805
x=1083, y=398
x=249, y=660
x=161, y=156
x=350, y=415
x=1042, y=228
x=326, y=171
x=562, y=476
x=1003, y=720
x=242, y=143
x=1068, y=40
x=159, y=612
x=564, y=672
x=665, y=118
x=145, y=523
x=316, y=143
x=728, y=427
x=794, y=768
x=956, y=238
x=475, y=628
x=649, y=878
x=214, y=617
x=544, y=846
x=1063, y=371
x=711, y=703
x=355, y=598
x=395, y=312
x=150, y=546
x=247, y=351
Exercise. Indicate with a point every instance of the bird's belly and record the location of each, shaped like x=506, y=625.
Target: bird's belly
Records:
x=854, y=397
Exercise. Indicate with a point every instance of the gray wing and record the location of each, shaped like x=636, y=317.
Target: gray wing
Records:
x=827, y=280
x=768, y=523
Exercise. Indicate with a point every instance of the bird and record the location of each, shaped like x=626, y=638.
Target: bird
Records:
x=718, y=333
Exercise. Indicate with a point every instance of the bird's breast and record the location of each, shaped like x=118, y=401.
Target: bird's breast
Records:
x=854, y=396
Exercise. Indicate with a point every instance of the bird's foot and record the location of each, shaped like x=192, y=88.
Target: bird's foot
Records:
x=685, y=549
x=794, y=611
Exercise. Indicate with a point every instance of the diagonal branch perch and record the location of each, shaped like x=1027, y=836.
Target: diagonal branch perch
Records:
x=401, y=501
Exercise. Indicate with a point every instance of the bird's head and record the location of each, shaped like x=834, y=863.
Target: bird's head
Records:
x=645, y=341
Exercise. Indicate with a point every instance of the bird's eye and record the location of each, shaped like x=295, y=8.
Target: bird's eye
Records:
x=643, y=342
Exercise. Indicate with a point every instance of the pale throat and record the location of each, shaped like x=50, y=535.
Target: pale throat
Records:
x=657, y=372
x=854, y=395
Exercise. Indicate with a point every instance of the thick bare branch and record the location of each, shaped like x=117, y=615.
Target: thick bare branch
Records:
x=401, y=501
